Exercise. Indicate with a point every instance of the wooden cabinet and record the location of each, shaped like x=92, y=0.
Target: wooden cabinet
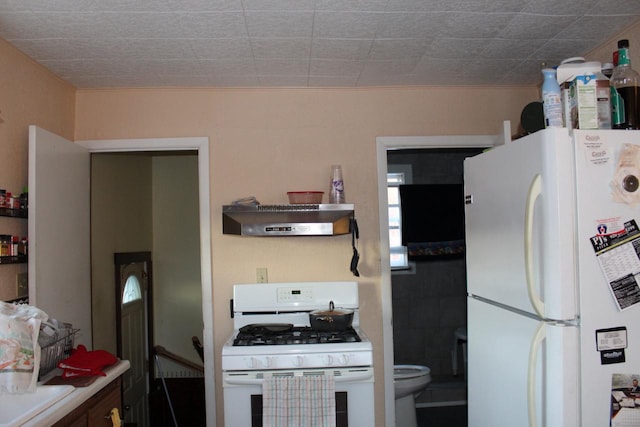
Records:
x=95, y=412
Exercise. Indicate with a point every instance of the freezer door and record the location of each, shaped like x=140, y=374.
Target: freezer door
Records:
x=522, y=372
x=519, y=223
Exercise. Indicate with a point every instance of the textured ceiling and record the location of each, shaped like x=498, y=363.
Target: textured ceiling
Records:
x=307, y=43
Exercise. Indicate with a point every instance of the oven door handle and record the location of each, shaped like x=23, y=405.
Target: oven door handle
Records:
x=350, y=377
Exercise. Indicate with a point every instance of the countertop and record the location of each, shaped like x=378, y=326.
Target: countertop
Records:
x=77, y=397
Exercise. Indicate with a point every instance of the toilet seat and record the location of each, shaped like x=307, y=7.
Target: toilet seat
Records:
x=403, y=372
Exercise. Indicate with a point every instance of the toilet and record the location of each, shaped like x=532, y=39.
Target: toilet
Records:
x=409, y=381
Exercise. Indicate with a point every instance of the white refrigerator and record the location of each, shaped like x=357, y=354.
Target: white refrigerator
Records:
x=552, y=246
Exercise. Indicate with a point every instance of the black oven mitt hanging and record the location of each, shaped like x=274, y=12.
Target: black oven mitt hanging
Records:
x=355, y=234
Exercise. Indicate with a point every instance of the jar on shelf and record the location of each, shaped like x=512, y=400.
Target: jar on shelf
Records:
x=5, y=245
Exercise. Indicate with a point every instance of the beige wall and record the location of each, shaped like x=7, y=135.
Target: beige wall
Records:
x=28, y=95
x=265, y=142
x=120, y=222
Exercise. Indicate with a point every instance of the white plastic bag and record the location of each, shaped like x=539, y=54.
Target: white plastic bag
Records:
x=19, y=349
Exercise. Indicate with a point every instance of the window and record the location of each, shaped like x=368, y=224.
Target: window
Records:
x=132, y=290
x=397, y=252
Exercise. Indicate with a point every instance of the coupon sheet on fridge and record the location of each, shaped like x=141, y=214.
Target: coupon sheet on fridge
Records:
x=618, y=254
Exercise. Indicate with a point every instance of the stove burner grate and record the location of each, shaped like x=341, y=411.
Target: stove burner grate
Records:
x=295, y=335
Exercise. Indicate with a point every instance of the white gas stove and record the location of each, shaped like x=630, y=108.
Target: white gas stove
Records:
x=272, y=337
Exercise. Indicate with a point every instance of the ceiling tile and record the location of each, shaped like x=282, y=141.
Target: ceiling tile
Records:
x=124, y=5
x=345, y=25
x=590, y=27
x=411, y=25
x=511, y=48
x=526, y=26
x=553, y=52
x=295, y=67
x=12, y=23
x=615, y=7
x=527, y=71
x=281, y=48
x=456, y=48
x=46, y=6
x=352, y=5
x=389, y=68
x=238, y=47
x=340, y=48
x=279, y=24
x=227, y=67
x=154, y=49
x=555, y=7
x=278, y=5
x=203, y=5
x=325, y=67
x=221, y=25
x=485, y=6
x=398, y=48
x=141, y=24
x=477, y=25
x=62, y=49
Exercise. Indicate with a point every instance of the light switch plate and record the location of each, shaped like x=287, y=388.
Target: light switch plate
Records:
x=261, y=275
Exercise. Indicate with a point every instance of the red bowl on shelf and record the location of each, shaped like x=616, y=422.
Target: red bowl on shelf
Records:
x=305, y=197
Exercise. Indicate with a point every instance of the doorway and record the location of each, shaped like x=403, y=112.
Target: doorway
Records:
x=430, y=297
x=200, y=146
x=383, y=145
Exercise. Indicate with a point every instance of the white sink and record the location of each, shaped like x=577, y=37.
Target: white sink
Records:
x=16, y=409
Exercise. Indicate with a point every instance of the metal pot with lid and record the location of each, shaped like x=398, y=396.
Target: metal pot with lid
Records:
x=331, y=320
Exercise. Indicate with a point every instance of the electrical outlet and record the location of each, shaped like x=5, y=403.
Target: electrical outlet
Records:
x=261, y=275
x=22, y=284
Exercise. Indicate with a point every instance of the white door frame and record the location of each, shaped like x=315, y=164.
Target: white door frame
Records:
x=384, y=144
x=201, y=145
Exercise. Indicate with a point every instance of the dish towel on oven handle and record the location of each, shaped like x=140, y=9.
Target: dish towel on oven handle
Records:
x=304, y=401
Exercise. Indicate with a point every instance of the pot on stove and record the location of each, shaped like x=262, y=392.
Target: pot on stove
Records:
x=332, y=319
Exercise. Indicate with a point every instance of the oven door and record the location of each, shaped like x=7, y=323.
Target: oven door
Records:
x=354, y=396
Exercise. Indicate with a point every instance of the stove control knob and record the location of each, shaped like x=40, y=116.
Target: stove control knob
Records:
x=298, y=361
x=329, y=360
x=344, y=359
x=268, y=362
x=252, y=362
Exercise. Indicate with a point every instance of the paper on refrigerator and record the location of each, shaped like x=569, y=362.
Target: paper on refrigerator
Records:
x=619, y=258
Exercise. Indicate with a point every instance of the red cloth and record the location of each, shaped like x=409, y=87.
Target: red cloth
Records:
x=86, y=363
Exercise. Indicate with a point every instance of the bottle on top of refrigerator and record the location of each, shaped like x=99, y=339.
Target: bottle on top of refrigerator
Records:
x=551, y=99
x=625, y=97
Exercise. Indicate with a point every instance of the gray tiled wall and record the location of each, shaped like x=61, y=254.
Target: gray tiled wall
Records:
x=427, y=309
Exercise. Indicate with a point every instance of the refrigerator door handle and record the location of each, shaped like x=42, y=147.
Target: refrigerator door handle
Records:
x=535, y=189
x=536, y=343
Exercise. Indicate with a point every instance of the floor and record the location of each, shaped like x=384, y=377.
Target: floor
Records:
x=443, y=403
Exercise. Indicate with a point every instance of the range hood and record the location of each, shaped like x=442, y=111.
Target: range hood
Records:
x=287, y=220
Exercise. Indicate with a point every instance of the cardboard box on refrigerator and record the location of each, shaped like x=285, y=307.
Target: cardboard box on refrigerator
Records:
x=585, y=96
x=583, y=102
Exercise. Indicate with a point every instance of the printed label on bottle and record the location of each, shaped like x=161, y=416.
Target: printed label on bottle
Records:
x=552, y=107
x=617, y=108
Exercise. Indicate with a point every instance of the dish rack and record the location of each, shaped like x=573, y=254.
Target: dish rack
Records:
x=57, y=350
